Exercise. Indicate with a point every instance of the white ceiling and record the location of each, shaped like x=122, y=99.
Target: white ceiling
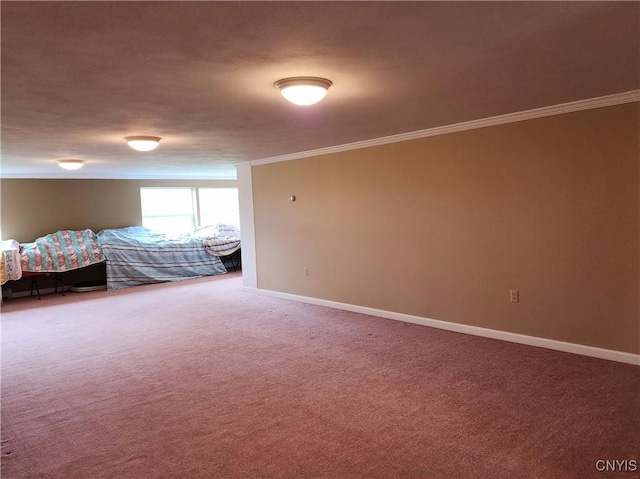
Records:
x=79, y=76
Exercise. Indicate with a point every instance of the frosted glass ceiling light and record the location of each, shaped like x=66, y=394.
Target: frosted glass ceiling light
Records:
x=303, y=90
x=143, y=143
x=70, y=164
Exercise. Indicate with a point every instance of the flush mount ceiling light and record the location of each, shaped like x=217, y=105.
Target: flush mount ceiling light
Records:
x=303, y=90
x=143, y=143
x=70, y=164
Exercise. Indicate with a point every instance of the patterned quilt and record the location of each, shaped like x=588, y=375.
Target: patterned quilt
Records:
x=9, y=261
x=61, y=251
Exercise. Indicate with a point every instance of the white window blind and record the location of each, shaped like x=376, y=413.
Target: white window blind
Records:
x=219, y=205
x=169, y=210
x=180, y=210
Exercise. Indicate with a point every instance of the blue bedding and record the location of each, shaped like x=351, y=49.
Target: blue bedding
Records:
x=136, y=255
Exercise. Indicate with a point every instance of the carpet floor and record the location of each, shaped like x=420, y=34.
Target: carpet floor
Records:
x=199, y=379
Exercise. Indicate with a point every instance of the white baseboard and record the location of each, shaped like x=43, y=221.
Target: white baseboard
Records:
x=581, y=349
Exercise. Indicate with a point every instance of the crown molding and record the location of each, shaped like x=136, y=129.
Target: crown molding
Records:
x=580, y=105
x=109, y=176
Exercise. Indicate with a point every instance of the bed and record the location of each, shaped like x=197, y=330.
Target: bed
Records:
x=137, y=255
x=55, y=253
x=219, y=240
x=61, y=251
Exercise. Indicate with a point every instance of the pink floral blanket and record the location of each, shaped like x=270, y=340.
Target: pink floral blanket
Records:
x=61, y=251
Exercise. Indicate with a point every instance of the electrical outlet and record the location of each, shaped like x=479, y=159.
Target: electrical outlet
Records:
x=515, y=296
x=306, y=271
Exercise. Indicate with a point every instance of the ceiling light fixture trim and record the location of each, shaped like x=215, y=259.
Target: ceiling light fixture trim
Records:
x=70, y=164
x=303, y=91
x=143, y=142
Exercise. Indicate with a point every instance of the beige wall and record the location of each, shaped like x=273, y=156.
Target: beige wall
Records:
x=444, y=227
x=32, y=208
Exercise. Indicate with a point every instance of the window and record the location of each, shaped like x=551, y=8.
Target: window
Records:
x=170, y=210
x=219, y=205
x=180, y=210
